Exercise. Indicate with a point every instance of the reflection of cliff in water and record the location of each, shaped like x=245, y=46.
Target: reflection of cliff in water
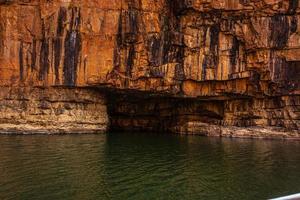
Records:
x=142, y=166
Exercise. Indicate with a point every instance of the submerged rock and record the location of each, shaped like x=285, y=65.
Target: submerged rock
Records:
x=236, y=63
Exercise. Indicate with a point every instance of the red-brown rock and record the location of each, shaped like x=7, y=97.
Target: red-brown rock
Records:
x=224, y=63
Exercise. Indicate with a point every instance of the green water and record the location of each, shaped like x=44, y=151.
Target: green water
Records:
x=146, y=166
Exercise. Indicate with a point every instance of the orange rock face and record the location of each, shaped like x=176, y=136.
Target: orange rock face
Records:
x=242, y=55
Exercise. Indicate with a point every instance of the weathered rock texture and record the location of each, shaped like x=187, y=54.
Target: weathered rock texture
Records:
x=52, y=110
x=223, y=62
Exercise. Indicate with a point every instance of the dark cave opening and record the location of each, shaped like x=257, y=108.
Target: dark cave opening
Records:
x=141, y=111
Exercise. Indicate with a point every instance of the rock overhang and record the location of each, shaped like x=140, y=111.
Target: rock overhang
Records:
x=245, y=51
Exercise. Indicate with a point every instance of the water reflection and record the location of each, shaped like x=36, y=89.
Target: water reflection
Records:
x=146, y=166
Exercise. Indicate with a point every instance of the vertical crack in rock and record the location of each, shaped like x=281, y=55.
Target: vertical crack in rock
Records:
x=171, y=39
x=130, y=62
x=294, y=24
x=21, y=61
x=153, y=46
x=234, y=53
x=126, y=40
x=279, y=65
x=72, y=48
x=279, y=27
x=131, y=38
x=2, y=29
x=204, y=67
x=211, y=60
x=118, y=44
x=33, y=55
x=62, y=17
x=44, y=55
x=214, y=43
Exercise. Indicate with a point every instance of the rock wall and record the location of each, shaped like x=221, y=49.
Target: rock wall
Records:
x=255, y=118
x=52, y=111
x=242, y=55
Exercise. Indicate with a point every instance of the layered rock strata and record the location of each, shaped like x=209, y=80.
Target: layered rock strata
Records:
x=236, y=62
x=252, y=118
x=52, y=111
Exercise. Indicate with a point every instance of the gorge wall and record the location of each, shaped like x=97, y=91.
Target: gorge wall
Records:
x=29, y=110
x=212, y=67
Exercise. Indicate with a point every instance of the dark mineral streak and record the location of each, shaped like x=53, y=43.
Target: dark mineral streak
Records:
x=226, y=68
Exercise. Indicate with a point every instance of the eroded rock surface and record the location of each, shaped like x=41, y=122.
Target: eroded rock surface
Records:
x=52, y=110
x=236, y=61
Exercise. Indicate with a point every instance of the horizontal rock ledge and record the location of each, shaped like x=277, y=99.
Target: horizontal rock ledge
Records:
x=25, y=110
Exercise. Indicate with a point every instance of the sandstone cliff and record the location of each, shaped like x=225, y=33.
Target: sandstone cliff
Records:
x=200, y=65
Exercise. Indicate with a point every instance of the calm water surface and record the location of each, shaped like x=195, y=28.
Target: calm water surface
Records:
x=146, y=166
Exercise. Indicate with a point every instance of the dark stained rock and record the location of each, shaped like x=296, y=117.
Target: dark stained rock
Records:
x=240, y=55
